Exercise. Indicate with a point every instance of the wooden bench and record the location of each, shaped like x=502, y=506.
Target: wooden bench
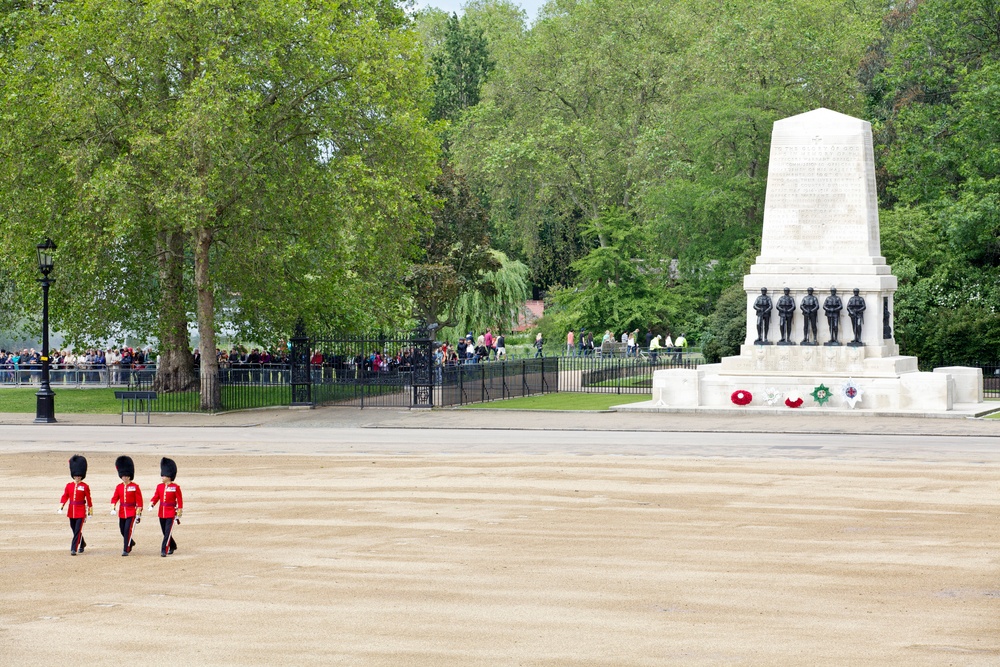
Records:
x=135, y=401
x=610, y=350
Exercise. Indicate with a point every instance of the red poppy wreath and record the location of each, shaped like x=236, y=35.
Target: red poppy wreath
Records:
x=742, y=397
x=793, y=404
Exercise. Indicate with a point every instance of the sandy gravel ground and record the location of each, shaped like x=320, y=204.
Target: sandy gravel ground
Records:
x=518, y=558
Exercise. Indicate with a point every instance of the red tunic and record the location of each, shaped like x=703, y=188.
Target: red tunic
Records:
x=76, y=497
x=128, y=498
x=169, y=497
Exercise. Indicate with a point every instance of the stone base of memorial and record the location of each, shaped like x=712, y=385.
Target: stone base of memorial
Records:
x=708, y=386
x=821, y=248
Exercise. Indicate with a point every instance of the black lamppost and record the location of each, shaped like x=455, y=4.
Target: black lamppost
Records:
x=45, y=406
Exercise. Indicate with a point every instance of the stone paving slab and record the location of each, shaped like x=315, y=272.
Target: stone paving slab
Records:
x=959, y=411
x=744, y=422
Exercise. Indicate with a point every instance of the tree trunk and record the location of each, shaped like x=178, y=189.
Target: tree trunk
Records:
x=175, y=371
x=211, y=396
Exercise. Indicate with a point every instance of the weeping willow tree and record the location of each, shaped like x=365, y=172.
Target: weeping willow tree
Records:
x=497, y=301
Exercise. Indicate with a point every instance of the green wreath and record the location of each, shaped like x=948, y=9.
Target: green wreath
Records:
x=821, y=394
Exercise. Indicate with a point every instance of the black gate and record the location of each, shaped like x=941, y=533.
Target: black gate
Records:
x=373, y=371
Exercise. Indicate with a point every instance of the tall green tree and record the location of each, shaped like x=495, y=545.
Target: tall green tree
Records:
x=250, y=163
x=559, y=125
x=931, y=79
x=497, y=298
x=455, y=255
x=459, y=66
x=706, y=159
x=615, y=290
x=662, y=110
x=502, y=24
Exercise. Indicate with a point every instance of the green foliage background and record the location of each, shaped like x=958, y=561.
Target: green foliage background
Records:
x=611, y=156
x=931, y=82
x=622, y=147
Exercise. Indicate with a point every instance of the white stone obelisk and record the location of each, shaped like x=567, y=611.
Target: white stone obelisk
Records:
x=821, y=226
x=821, y=231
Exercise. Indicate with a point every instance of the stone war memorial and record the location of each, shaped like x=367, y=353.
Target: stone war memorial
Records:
x=820, y=296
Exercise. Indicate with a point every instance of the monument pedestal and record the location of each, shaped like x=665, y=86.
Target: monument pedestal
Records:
x=820, y=249
x=883, y=391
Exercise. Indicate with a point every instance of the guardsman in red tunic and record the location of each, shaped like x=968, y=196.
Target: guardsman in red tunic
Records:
x=77, y=494
x=128, y=497
x=168, y=495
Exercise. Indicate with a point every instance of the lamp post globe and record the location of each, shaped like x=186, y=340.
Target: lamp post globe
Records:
x=45, y=409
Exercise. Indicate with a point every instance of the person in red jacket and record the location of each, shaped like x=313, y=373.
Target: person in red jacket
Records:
x=77, y=494
x=128, y=497
x=168, y=495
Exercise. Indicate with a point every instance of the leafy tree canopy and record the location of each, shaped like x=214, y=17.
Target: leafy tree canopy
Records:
x=931, y=79
x=455, y=256
x=249, y=163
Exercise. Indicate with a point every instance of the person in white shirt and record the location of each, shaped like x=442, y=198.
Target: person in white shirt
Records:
x=668, y=345
x=654, y=348
x=114, y=362
x=679, y=346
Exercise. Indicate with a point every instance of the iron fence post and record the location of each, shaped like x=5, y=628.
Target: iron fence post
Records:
x=431, y=377
x=301, y=373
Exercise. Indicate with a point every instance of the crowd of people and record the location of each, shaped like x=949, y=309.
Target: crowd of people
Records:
x=67, y=359
x=472, y=350
x=469, y=349
x=239, y=355
x=629, y=344
x=89, y=365
x=376, y=361
x=132, y=357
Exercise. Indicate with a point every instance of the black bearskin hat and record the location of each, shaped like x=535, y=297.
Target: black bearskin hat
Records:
x=168, y=468
x=77, y=466
x=125, y=467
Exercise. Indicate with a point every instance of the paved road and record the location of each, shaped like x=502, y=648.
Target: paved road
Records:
x=558, y=439
x=454, y=538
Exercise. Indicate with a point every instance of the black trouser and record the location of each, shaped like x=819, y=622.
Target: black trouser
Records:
x=78, y=543
x=166, y=525
x=125, y=527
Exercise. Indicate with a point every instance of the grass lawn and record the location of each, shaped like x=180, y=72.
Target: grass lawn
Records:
x=562, y=401
x=69, y=401
x=103, y=401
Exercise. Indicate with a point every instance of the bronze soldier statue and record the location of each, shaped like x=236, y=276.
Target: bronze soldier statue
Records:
x=832, y=307
x=856, y=310
x=763, y=306
x=786, y=308
x=809, y=308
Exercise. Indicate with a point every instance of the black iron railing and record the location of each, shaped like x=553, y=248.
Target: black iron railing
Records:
x=240, y=388
x=625, y=375
x=461, y=384
x=341, y=380
x=991, y=380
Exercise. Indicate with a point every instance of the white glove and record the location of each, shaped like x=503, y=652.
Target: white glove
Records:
x=113, y=511
x=59, y=510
